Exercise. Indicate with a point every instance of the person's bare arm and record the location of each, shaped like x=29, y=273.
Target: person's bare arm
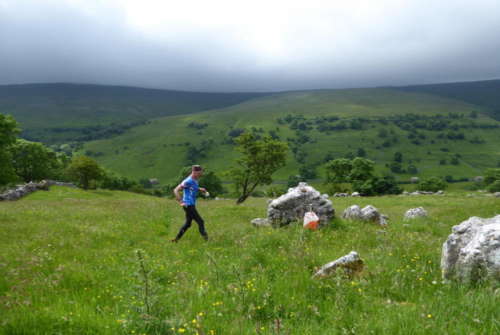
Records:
x=177, y=194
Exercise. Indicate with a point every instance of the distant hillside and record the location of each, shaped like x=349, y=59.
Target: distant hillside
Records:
x=481, y=93
x=66, y=112
x=436, y=135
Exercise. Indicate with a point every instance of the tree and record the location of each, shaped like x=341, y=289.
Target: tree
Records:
x=260, y=159
x=338, y=170
x=33, y=161
x=8, y=133
x=84, y=170
x=362, y=169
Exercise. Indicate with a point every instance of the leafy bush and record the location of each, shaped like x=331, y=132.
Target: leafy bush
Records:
x=491, y=175
x=432, y=184
x=377, y=186
x=85, y=171
x=494, y=187
x=112, y=181
x=396, y=167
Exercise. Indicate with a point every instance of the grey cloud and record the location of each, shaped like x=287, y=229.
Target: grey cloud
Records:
x=422, y=43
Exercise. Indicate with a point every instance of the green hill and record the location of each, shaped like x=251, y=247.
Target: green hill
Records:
x=58, y=113
x=482, y=93
x=69, y=265
x=436, y=135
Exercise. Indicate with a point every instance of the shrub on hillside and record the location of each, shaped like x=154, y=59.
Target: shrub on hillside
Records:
x=432, y=184
x=112, y=181
x=377, y=186
x=85, y=171
x=491, y=175
x=494, y=187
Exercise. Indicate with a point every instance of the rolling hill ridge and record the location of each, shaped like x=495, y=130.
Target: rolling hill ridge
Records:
x=436, y=135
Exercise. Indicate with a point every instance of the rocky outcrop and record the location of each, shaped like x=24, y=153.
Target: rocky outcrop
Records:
x=414, y=213
x=295, y=203
x=472, y=251
x=351, y=263
x=368, y=213
x=25, y=189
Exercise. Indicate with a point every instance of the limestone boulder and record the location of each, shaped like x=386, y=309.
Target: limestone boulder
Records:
x=369, y=213
x=414, y=213
x=351, y=263
x=352, y=213
x=292, y=206
x=472, y=251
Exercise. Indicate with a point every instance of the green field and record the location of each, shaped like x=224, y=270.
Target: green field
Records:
x=69, y=265
x=159, y=148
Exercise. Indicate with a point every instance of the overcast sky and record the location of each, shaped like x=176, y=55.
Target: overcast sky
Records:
x=232, y=45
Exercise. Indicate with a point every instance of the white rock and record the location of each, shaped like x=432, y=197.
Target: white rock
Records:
x=370, y=213
x=258, y=222
x=296, y=202
x=472, y=251
x=352, y=213
x=497, y=194
x=355, y=194
x=414, y=213
x=351, y=263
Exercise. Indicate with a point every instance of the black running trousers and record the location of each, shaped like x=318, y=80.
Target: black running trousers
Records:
x=192, y=214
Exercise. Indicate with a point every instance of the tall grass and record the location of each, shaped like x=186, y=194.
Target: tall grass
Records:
x=99, y=262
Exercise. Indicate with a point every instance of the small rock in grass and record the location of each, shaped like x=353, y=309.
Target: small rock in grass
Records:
x=351, y=263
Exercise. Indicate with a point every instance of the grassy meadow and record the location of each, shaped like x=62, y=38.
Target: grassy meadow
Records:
x=99, y=262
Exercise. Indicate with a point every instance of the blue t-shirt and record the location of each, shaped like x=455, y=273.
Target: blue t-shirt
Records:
x=190, y=187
